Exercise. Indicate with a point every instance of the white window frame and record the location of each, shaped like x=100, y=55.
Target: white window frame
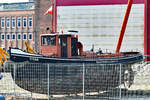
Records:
x=8, y=23
x=23, y=36
x=24, y=21
x=18, y=35
x=1, y=36
x=18, y=22
x=13, y=20
x=12, y=36
x=29, y=22
x=7, y=35
x=3, y=22
x=29, y=36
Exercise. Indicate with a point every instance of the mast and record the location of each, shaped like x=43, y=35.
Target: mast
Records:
x=55, y=9
x=124, y=25
x=52, y=15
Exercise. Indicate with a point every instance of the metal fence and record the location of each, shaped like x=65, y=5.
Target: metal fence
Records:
x=38, y=81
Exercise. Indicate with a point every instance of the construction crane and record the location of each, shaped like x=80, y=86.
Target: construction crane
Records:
x=29, y=49
x=3, y=55
x=124, y=24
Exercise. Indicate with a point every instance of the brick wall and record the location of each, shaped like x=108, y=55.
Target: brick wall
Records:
x=41, y=21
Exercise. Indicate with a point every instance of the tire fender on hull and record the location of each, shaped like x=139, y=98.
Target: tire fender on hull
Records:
x=128, y=77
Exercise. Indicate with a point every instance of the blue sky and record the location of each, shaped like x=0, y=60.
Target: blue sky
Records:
x=10, y=1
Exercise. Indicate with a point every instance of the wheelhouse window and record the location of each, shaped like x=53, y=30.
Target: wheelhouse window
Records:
x=2, y=23
x=8, y=23
x=2, y=36
x=24, y=22
x=19, y=22
x=48, y=40
x=30, y=22
x=13, y=24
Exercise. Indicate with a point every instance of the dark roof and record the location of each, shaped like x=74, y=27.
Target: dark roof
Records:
x=17, y=6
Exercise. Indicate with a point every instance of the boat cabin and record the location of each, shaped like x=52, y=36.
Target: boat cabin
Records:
x=60, y=45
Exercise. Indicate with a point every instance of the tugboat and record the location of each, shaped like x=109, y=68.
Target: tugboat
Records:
x=59, y=67
x=64, y=56
x=65, y=48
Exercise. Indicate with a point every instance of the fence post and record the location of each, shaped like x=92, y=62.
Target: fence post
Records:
x=83, y=79
x=14, y=81
x=4, y=67
x=48, y=82
x=120, y=82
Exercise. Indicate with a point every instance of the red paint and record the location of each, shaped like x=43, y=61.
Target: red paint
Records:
x=124, y=24
x=94, y=2
x=147, y=30
x=49, y=50
x=69, y=47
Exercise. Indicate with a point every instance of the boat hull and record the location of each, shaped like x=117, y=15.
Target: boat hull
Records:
x=44, y=75
x=67, y=78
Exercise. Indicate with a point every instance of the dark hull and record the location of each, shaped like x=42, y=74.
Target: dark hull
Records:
x=67, y=79
x=17, y=55
x=65, y=76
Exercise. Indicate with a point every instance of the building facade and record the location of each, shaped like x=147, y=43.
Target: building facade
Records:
x=20, y=22
x=17, y=25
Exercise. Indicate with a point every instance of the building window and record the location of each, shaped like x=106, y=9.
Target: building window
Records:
x=2, y=36
x=8, y=36
x=8, y=23
x=30, y=36
x=13, y=22
x=30, y=21
x=18, y=36
x=2, y=23
x=13, y=37
x=24, y=22
x=18, y=22
x=24, y=36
